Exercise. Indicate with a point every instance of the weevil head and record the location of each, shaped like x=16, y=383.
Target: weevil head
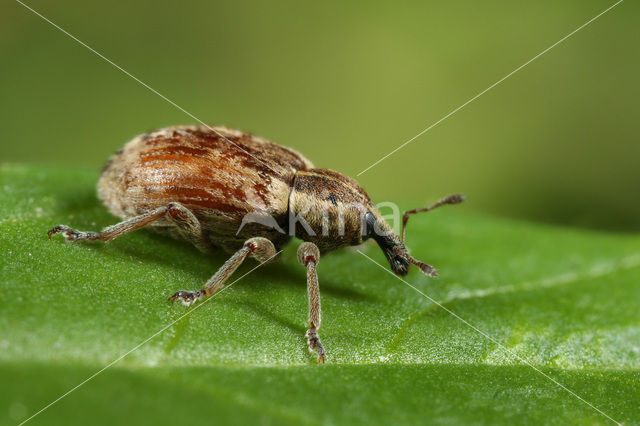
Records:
x=332, y=211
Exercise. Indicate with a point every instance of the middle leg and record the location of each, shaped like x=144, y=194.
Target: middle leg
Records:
x=309, y=256
x=259, y=248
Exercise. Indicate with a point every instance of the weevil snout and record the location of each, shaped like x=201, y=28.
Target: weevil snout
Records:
x=398, y=256
x=393, y=247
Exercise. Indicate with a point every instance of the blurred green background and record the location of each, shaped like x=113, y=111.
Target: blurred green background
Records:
x=345, y=83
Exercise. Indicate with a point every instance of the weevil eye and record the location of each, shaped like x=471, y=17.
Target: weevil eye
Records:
x=369, y=226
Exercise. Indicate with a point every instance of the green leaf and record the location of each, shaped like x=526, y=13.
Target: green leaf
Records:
x=563, y=300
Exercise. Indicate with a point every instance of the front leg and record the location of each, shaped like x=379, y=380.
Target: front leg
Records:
x=259, y=248
x=309, y=256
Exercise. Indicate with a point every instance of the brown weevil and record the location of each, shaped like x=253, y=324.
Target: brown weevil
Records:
x=222, y=188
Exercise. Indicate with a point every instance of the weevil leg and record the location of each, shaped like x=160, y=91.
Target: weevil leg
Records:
x=309, y=256
x=258, y=248
x=187, y=224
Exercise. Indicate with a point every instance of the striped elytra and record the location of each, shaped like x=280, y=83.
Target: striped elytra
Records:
x=220, y=179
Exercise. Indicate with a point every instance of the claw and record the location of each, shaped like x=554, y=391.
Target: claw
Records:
x=60, y=229
x=71, y=234
x=187, y=297
x=315, y=344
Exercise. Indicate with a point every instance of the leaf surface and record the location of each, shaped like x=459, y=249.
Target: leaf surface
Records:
x=563, y=300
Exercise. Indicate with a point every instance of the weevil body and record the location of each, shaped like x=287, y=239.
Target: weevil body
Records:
x=223, y=188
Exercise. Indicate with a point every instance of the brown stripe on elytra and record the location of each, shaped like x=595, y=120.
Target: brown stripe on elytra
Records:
x=200, y=174
x=223, y=138
x=157, y=138
x=283, y=158
x=245, y=149
x=262, y=192
x=196, y=197
x=213, y=140
x=248, y=149
x=180, y=167
x=173, y=153
x=164, y=160
x=222, y=157
x=234, y=193
x=179, y=156
x=197, y=173
x=211, y=187
x=180, y=148
x=213, y=181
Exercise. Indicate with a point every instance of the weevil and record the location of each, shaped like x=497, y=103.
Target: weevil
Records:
x=221, y=188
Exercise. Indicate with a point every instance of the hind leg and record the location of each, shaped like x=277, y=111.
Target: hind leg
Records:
x=187, y=224
x=259, y=248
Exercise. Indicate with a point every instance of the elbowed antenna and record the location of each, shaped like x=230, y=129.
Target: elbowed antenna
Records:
x=402, y=249
x=451, y=199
